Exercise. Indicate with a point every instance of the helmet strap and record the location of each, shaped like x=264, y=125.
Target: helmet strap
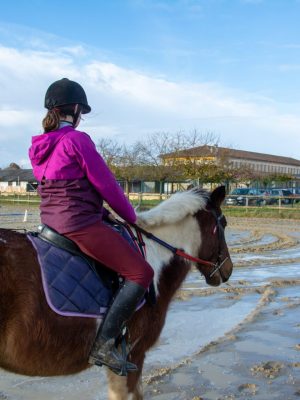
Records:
x=76, y=115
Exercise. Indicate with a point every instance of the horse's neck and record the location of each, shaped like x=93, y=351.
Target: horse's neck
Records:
x=184, y=234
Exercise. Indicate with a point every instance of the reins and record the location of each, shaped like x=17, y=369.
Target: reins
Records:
x=178, y=252
x=216, y=266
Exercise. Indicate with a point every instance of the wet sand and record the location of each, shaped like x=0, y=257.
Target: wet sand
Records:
x=238, y=341
x=259, y=358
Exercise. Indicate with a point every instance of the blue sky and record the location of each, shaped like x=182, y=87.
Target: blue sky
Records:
x=230, y=67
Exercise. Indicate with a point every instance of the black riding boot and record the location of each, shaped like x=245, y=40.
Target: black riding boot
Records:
x=104, y=351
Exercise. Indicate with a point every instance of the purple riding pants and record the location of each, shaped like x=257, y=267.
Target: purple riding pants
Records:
x=102, y=243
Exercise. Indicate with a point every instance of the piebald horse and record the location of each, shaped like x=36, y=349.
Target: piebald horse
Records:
x=38, y=342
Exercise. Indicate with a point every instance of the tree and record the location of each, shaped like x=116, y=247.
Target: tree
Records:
x=142, y=159
x=13, y=166
x=120, y=159
x=155, y=145
x=110, y=151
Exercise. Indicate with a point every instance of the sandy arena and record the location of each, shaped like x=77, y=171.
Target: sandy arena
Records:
x=238, y=341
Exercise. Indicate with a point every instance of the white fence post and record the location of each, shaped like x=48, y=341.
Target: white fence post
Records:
x=25, y=216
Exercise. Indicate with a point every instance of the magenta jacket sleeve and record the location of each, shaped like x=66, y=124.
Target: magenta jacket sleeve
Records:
x=101, y=177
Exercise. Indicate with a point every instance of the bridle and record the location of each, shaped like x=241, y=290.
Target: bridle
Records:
x=218, y=229
x=221, y=238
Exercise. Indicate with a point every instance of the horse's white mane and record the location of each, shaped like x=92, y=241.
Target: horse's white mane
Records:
x=174, y=209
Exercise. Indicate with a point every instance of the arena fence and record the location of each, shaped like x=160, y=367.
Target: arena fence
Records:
x=150, y=199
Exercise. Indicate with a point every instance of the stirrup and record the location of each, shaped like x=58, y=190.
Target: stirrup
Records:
x=126, y=366
x=122, y=371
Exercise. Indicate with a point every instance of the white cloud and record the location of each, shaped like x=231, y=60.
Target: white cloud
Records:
x=128, y=104
x=12, y=118
x=207, y=100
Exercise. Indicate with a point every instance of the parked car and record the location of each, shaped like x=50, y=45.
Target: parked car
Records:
x=239, y=197
x=266, y=197
x=296, y=194
x=285, y=195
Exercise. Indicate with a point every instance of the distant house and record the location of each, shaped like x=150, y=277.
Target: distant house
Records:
x=17, y=180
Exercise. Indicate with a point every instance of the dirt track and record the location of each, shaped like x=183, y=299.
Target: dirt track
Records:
x=248, y=343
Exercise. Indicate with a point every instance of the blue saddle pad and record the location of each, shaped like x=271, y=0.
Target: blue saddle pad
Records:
x=71, y=286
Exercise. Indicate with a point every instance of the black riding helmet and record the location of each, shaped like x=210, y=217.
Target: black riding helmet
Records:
x=63, y=92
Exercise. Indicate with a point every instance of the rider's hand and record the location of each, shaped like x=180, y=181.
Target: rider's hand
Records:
x=111, y=217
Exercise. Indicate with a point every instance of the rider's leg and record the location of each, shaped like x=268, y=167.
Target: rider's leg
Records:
x=107, y=246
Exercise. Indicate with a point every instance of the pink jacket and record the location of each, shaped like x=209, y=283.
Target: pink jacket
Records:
x=69, y=155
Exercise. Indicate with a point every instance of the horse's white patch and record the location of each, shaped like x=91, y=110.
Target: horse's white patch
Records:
x=3, y=240
x=117, y=386
x=185, y=235
x=173, y=210
x=173, y=222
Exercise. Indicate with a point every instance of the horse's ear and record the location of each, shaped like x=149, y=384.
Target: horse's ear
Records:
x=218, y=196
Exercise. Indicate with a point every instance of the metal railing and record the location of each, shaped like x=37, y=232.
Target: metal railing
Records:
x=16, y=197
x=33, y=198
x=144, y=198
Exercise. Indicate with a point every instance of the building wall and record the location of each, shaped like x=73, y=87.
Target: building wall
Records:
x=263, y=166
x=13, y=187
x=266, y=167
